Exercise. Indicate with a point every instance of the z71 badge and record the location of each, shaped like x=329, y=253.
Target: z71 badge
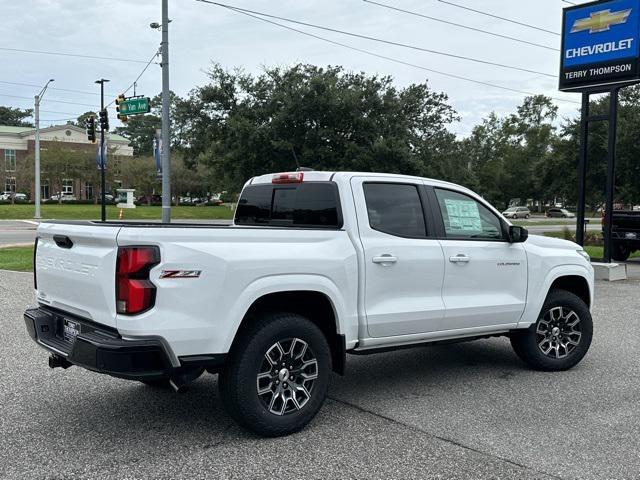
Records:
x=180, y=274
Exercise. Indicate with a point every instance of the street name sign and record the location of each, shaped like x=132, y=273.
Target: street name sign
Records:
x=136, y=106
x=600, y=44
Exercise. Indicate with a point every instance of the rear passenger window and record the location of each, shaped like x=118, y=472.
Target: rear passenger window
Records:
x=304, y=205
x=395, y=209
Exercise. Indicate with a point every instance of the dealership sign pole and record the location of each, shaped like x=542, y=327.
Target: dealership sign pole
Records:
x=600, y=54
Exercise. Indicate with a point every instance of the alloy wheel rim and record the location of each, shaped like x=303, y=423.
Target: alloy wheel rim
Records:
x=558, y=332
x=287, y=376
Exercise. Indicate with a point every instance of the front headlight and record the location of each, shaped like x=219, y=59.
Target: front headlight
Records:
x=585, y=255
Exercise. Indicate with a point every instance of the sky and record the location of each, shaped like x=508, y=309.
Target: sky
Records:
x=201, y=33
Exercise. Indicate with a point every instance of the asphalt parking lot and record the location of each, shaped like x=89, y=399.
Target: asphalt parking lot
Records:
x=470, y=410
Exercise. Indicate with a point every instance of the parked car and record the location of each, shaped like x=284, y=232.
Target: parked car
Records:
x=517, y=212
x=145, y=199
x=316, y=265
x=559, y=213
x=19, y=197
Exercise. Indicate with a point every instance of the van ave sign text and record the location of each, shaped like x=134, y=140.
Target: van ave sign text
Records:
x=135, y=106
x=600, y=44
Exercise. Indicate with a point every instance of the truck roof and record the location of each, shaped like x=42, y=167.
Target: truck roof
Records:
x=318, y=176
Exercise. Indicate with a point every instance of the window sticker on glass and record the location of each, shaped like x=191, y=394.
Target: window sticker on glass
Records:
x=463, y=215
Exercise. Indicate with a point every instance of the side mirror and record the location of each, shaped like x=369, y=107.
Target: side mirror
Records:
x=518, y=234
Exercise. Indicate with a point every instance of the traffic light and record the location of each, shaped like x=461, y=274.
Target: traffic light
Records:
x=91, y=129
x=104, y=120
x=121, y=98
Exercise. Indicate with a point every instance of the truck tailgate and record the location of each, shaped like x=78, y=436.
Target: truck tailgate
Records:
x=75, y=269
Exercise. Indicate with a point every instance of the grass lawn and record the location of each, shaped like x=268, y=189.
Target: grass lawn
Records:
x=16, y=258
x=598, y=252
x=92, y=212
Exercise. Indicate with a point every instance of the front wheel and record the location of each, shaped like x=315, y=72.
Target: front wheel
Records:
x=278, y=374
x=620, y=252
x=560, y=338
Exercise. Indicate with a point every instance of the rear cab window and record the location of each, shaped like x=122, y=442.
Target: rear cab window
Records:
x=395, y=209
x=300, y=205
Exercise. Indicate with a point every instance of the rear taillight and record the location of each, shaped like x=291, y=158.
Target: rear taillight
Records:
x=134, y=291
x=35, y=277
x=295, y=177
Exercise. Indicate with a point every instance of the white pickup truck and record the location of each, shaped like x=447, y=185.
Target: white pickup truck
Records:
x=316, y=265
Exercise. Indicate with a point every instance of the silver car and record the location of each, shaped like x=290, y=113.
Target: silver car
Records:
x=517, y=212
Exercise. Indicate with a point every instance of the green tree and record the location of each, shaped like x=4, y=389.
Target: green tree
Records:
x=140, y=173
x=239, y=125
x=81, y=121
x=15, y=117
x=60, y=164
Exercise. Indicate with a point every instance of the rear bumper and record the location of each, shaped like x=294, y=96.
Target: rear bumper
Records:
x=99, y=349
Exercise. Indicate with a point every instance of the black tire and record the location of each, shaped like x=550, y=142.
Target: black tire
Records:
x=526, y=342
x=620, y=252
x=527, y=216
x=515, y=216
x=238, y=381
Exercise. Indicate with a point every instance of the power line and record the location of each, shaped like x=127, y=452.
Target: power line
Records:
x=61, y=113
x=50, y=88
x=48, y=100
x=77, y=55
x=138, y=77
x=474, y=29
x=391, y=59
x=379, y=40
x=510, y=20
x=58, y=119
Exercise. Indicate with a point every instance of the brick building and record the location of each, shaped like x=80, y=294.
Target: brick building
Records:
x=17, y=147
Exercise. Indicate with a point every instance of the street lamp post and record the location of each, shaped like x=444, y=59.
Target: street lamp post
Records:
x=37, y=199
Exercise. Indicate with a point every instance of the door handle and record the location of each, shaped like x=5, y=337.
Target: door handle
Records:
x=460, y=258
x=385, y=259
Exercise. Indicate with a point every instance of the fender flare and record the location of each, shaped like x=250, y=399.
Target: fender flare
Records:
x=288, y=283
x=534, y=305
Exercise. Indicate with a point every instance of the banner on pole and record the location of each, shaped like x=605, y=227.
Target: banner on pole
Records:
x=157, y=151
x=100, y=159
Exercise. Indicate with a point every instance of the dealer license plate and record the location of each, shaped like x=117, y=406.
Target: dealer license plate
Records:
x=70, y=330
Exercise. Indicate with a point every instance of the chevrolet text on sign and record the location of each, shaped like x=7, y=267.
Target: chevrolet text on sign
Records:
x=600, y=44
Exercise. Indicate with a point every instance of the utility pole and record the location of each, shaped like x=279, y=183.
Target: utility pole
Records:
x=104, y=125
x=166, y=127
x=37, y=189
x=165, y=131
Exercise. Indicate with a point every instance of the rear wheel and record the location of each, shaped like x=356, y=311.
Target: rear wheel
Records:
x=560, y=338
x=277, y=377
x=527, y=216
x=620, y=252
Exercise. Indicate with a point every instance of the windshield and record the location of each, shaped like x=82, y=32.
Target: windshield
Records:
x=512, y=209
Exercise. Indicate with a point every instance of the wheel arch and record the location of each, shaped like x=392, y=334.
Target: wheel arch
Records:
x=573, y=278
x=318, y=303
x=575, y=284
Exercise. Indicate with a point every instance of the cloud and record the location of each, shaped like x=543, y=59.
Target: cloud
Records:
x=201, y=33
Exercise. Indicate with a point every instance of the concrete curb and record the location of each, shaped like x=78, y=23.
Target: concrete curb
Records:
x=13, y=245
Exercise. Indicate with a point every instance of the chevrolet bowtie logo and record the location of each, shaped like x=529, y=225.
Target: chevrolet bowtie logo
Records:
x=601, y=21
